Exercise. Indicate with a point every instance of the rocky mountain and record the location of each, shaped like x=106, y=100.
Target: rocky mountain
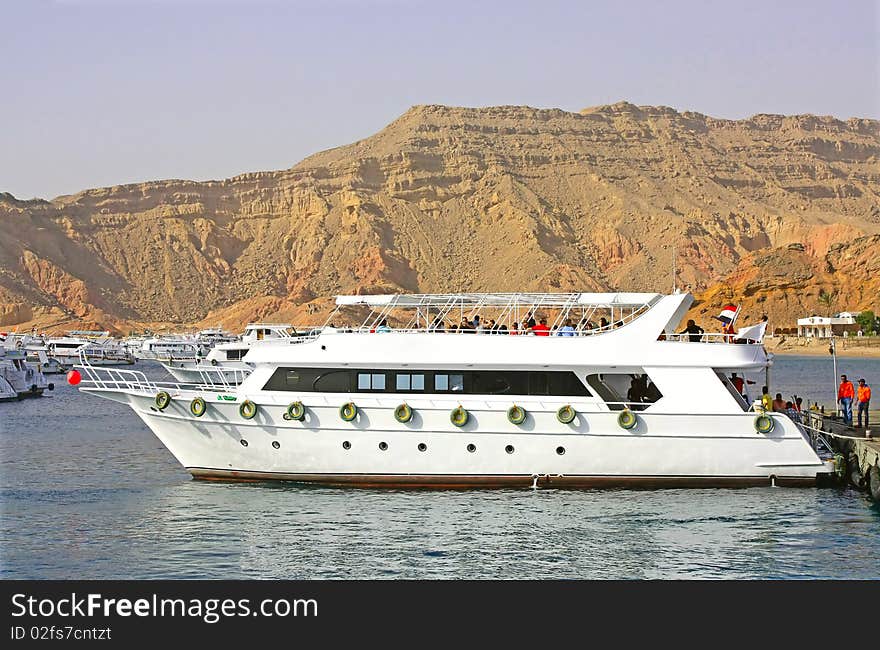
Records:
x=765, y=210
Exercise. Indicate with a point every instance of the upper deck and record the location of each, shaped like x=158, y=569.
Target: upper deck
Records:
x=625, y=329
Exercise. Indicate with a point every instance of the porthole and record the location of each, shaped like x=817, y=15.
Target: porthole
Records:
x=560, y=451
x=276, y=444
x=509, y=449
x=243, y=442
x=346, y=445
x=423, y=446
x=472, y=448
x=383, y=446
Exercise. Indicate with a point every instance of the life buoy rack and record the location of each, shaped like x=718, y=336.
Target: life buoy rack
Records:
x=566, y=414
x=247, y=410
x=764, y=423
x=198, y=407
x=403, y=413
x=459, y=416
x=627, y=419
x=516, y=414
x=348, y=411
x=163, y=399
x=295, y=411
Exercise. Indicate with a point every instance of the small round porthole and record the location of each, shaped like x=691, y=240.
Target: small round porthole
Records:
x=560, y=450
x=472, y=448
x=243, y=442
x=276, y=444
x=509, y=449
x=423, y=446
x=383, y=446
x=346, y=445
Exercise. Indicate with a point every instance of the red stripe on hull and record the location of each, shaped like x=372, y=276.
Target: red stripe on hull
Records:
x=475, y=481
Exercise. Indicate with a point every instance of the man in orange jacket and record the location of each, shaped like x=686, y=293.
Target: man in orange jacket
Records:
x=864, y=400
x=845, y=395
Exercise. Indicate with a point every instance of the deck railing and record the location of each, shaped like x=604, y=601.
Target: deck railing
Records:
x=218, y=379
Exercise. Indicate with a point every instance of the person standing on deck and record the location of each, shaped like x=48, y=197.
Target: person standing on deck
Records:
x=694, y=331
x=845, y=394
x=541, y=328
x=766, y=400
x=864, y=400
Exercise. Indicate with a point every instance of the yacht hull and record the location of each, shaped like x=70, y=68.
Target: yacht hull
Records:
x=662, y=450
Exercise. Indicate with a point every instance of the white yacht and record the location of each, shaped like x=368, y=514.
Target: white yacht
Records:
x=226, y=358
x=167, y=348
x=627, y=403
x=24, y=378
x=99, y=347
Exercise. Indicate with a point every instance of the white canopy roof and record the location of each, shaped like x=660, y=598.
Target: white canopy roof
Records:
x=499, y=299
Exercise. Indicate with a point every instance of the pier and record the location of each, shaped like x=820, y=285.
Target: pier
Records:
x=857, y=448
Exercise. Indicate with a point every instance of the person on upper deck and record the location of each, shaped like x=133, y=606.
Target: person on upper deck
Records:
x=383, y=326
x=528, y=322
x=695, y=331
x=541, y=328
x=465, y=326
x=514, y=329
x=603, y=323
x=567, y=329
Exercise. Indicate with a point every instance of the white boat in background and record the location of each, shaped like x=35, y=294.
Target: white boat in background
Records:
x=7, y=392
x=628, y=402
x=99, y=347
x=39, y=355
x=227, y=359
x=24, y=378
x=168, y=348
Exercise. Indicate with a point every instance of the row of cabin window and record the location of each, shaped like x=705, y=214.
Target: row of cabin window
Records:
x=484, y=382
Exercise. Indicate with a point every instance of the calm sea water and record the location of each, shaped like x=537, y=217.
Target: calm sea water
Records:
x=88, y=492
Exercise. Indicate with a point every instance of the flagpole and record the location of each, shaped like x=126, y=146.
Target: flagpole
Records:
x=833, y=350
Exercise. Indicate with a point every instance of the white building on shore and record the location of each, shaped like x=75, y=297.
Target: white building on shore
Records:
x=822, y=327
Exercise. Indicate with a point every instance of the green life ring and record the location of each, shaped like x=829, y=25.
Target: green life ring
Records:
x=459, y=416
x=626, y=419
x=516, y=414
x=163, y=399
x=247, y=410
x=764, y=423
x=348, y=411
x=198, y=407
x=295, y=411
x=566, y=414
x=403, y=413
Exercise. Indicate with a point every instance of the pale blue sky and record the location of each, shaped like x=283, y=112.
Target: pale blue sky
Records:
x=102, y=92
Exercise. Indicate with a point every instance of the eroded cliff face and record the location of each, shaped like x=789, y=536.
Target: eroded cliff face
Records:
x=447, y=199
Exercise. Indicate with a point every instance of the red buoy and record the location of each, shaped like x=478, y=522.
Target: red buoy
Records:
x=73, y=377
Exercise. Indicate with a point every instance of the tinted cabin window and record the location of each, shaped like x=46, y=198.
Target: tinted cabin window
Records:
x=335, y=381
x=636, y=390
x=484, y=382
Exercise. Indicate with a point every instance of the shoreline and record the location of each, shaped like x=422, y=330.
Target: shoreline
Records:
x=792, y=347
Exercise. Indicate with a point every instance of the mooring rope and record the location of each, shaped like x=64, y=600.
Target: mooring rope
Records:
x=832, y=434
